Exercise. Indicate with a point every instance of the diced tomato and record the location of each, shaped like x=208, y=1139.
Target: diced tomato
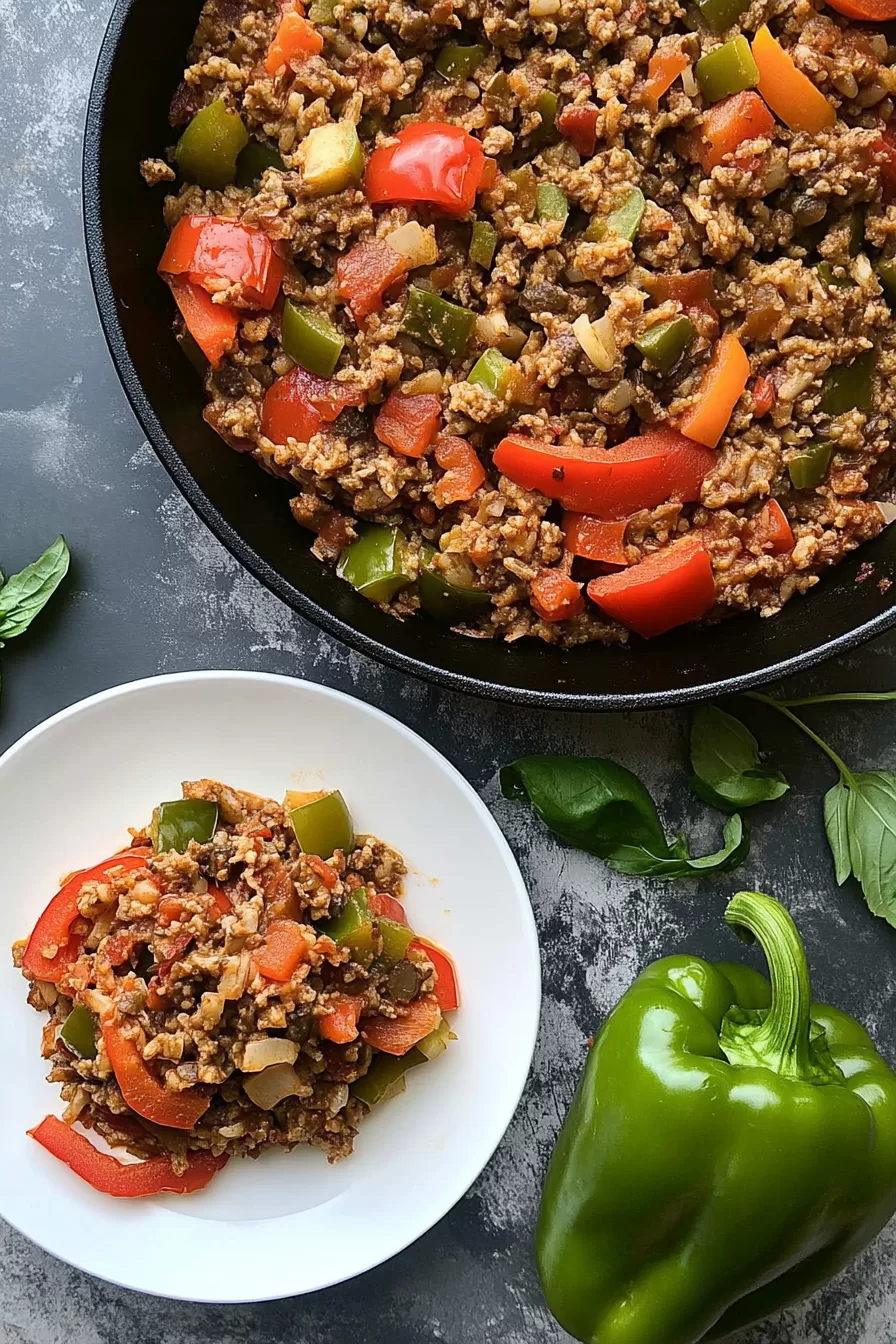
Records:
x=446, y=991
x=464, y=473
x=118, y=948
x=555, y=596
x=341, y=1025
x=396, y=1036
x=327, y=874
x=884, y=154
x=215, y=252
x=771, y=530
x=295, y=40
x=668, y=588
x=427, y=161
x=168, y=911
x=213, y=326
x=283, y=948
x=365, y=273
x=613, y=483
x=221, y=903
x=578, y=124
x=387, y=906
x=595, y=540
x=764, y=397
x=132, y=1180
x=665, y=65
x=142, y=1090
x=296, y=405
x=408, y=423
x=743, y=116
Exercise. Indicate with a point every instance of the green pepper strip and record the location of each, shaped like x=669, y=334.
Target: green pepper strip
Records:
x=446, y=601
x=483, y=242
x=856, y=230
x=324, y=825
x=546, y=107
x=827, y=275
x=79, y=1032
x=726, y=70
x=353, y=928
x=665, y=343
x=437, y=322
x=397, y=938
x=376, y=564
x=526, y=186
x=849, y=387
x=623, y=222
x=254, y=162
x=886, y=274
x=175, y=824
x=457, y=62
x=382, y=1079
x=498, y=99
x=720, y=15
x=550, y=202
x=810, y=468
x=491, y=371
x=208, y=149
x=310, y=338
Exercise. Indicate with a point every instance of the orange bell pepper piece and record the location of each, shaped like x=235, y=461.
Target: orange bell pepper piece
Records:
x=789, y=93
x=396, y=1036
x=743, y=116
x=341, y=1025
x=771, y=529
x=555, y=597
x=665, y=65
x=593, y=539
x=283, y=948
x=724, y=381
x=295, y=39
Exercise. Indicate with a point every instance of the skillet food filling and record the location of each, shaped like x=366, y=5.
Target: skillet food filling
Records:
x=241, y=977
x=566, y=319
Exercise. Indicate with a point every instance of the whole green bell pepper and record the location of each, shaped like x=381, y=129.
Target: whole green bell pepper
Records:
x=731, y=1146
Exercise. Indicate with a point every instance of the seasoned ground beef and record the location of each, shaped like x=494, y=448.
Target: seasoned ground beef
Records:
x=786, y=239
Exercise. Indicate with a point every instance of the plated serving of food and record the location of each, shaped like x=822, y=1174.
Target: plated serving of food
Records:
x=564, y=323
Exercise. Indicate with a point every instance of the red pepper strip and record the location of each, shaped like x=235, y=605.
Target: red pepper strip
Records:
x=610, y=483
x=771, y=530
x=555, y=597
x=296, y=405
x=408, y=424
x=381, y=904
x=221, y=903
x=743, y=116
x=464, y=473
x=117, y=949
x=295, y=39
x=764, y=397
x=694, y=290
x=143, y=1091
x=396, y=1036
x=124, y=1181
x=325, y=871
x=578, y=124
x=283, y=948
x=213, y=326
x=215, y=252
x=341, y=1026
x=869, y=11
x=595, y=540
x=669, y=588
x=427, y=161
x=365, y=273
x=446, y=991
x=884, y=155
x=52, y=932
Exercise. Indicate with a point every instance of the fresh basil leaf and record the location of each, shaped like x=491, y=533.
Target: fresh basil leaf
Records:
x=872, y=838
x=728, y=773
x=836, y=823
x=604, y=809
x=24, y=595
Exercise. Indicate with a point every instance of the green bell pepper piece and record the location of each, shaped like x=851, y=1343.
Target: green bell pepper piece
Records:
x=623, y=222
x=827, y=275
x=324, y=825
x=310, y=338
x=353, y=928
x=664, y=343
x=175, y=824
x=323, y=11
x=386, y=1077
x=207, y=151
x=491, y=371
x=730, y=1147
x=376, y=564
x=498, y=99
x=720, y=15
x=457, y=62
x=726, y=70
x=79, y=1032
x=526, y=184
x=438, y=322
x=811, y=466
x=856, y=229
x=546, y=106
x=550, y=202
x=254, y=162
x=448, y=601
x=849, y=387
x=436, y=1043
x=397, y=938
x=886, y=274
x=483, y=242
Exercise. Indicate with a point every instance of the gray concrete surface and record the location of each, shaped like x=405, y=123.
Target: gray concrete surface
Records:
x=152, y=591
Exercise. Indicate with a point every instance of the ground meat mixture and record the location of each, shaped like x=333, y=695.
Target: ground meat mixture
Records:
x=225, y=978
x=609, y=206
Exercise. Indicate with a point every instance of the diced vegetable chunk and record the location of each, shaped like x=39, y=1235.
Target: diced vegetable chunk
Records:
x=663, y=344
x=789, y=93
x=809, y=468
x=550, y=202
x=207, y=151
x=437, y=322
x=365, y=273
x=727, y=70
x=849, y=387
x=491, y=371
x=331, y=158
x=323, y=824
x=483, y=242
x=309, y=337
x=458, y=62
x=450, y=597
x=175, y=824
x=78, y=1031
x=376, y=564
x=254, y=161
x=295, y=40
x=408, y=424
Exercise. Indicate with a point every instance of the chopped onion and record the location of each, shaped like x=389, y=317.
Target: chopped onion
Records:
x=267, y=1088
x=48, y=992
x=791, y=388
x=888, y=511
x=97, y=1003
x=689, y=81
x=415, y=243
x=492, y=328
x=264, y=1054
x=236, y=974
x=430, y=381
x=619, y=398
x=861, y=269
x=543, y=9
x=598, y=340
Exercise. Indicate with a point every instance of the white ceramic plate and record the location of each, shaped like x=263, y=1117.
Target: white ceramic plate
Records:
x=286, y=1223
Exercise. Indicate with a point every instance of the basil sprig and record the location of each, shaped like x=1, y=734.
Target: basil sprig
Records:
x=24, y=595
x=728, y=773
x=599, y=806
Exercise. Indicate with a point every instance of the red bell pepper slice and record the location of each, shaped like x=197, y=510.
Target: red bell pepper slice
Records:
x=764, y=397
x=213, y=326
x=743, y=116
x=578, y=124
x=341, y=1026
x=365, y=273
x=142, y=1090
x=52, y=949
x=446, y=992
x=555, y=596
x=771, y=529
x=464, y=473
x=283, y=948
x=214, y=252
x=396, y=1036
x=610, y=483
x=408, y=423
x=593, y=539
x=382, y=904
x=296, y=405
x=668, y=588
x=221, y=903
x=133, y=1180
x=295, y=39
x=427, y=161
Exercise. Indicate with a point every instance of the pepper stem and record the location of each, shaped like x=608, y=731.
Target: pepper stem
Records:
x=782, y=1037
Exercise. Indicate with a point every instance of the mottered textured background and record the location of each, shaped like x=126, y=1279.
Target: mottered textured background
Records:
x=152, y=591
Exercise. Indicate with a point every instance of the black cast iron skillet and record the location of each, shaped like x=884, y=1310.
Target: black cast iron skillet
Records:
x=140, y=64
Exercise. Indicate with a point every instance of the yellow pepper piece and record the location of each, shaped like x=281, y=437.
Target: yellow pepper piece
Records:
x=790, y=94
